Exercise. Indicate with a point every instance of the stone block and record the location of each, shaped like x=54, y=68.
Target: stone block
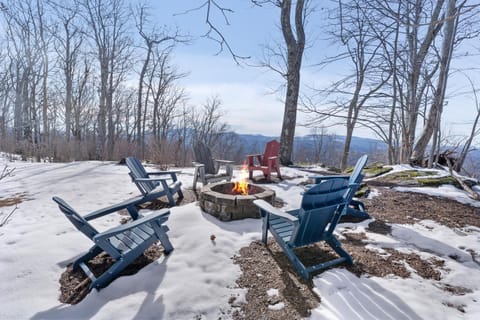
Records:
x=226, y=199
x=245, y=200
x=208, y=196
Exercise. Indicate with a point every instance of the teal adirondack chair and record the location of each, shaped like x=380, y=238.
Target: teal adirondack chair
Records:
x=321, y=208
x=356, y=208
x=123, y=243
x=164, y=183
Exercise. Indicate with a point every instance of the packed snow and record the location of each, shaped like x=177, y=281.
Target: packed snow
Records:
x=197, y=280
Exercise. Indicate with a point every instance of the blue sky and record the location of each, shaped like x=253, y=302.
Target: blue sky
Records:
x=246, y=92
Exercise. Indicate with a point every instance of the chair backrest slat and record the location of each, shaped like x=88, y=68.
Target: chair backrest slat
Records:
x=321, y=205
x=314, y=223
x=324, y=193
x=77, y=220
x=272, y=148
x=203, y=155
x=357, y=176
x=137, y=170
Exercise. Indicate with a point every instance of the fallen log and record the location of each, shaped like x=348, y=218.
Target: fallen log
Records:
x=470, y=191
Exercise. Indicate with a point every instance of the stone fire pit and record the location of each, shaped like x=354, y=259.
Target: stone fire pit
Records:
x=217, y=199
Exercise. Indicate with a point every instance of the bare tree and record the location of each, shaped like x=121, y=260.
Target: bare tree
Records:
x=207, y=124
x=474, y=132
x=166, y=99
x=295, y=42
x=152, y=39
x=45, y=40
x=69, y=39
x=432, y=124
x=287, y=61
x=108, y=23
x=361, y=48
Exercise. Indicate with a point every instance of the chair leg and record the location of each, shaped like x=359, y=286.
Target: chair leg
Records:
x=161, y=233
x=110, y=274
x=165, y=241
x=266, y=174
x=337, y=246
x=180, y=194
x=296, y=262
x=229, y=171
x=195, y=178
x=278, y=173
x=92, y=253
x=265, y=226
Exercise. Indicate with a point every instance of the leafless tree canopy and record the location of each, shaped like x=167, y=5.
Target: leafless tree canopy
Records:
x=94, y=79
x=401, y=54
x=66, y=75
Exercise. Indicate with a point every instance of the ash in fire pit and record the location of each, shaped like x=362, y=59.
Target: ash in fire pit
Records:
x=222, y=202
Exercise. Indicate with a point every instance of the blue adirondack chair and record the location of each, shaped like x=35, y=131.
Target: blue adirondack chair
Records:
x=164, y=184
x=321, y=208
x=356, y=208
x=123, y=243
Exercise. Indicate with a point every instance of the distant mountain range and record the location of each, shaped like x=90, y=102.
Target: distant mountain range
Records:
x=326, y=149
x=306, y=149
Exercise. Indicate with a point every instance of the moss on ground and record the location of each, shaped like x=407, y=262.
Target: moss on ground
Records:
x=376, y=171
x=408, y=175
x=372, y=170
x=435, y=182
x=363, y=191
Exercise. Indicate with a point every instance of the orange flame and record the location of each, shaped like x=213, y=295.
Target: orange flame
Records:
x=241, y=186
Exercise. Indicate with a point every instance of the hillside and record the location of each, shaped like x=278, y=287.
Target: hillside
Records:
x=420, y=245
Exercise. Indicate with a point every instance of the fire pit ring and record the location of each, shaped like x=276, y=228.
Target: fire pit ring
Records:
x=217, y=200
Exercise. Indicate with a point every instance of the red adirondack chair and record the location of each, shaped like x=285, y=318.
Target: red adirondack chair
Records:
x=267, y=162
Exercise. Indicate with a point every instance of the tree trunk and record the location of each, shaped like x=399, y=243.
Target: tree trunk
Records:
x=437, y=105
x=295, y=47
x=102, y=111
x=417, y=54
x=473, y=132
x=140, y=143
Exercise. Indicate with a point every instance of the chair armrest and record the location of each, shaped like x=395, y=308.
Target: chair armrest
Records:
x=223, y=161
x=317, y=179
x=129, y=204
x=151, y=179
x=251, y=159
x=267, y=207
x=197, y=164
x=162, y=215
x=170, y=172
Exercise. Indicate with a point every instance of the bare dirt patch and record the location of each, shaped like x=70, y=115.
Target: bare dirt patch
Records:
x=409, y=207
x=7, y=202
x=267, y=268
x=74, y=284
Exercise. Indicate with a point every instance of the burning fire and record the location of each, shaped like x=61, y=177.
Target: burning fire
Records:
x=241, y=186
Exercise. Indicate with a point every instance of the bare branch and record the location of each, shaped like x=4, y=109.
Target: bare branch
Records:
x=5, y=220
x=213, y=33
x=6, y=172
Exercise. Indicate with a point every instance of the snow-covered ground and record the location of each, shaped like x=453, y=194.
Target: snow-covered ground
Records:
x=197, y=280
